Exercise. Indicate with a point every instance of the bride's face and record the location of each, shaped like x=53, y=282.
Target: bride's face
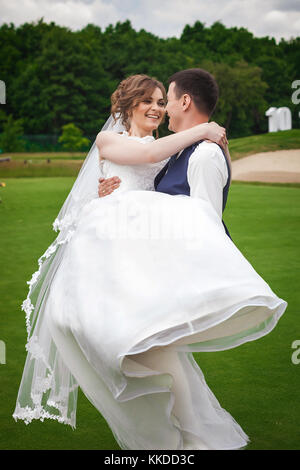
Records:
x=148, y=114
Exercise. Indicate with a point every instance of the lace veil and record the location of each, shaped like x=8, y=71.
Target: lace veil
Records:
x=47, y=388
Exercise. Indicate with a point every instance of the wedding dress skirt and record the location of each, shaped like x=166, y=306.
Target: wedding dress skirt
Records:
x=146, y=279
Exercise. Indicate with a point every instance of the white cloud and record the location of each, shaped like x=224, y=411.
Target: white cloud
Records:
x=74, y=14
x=165, y=18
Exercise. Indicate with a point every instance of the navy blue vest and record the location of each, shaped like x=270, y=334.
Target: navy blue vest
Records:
x=175, y=180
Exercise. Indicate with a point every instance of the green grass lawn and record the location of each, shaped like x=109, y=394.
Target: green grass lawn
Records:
x=269, y=142
x=39, y=168
x=257, y=382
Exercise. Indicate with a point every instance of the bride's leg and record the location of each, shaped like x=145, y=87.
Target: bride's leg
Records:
x=167, y=360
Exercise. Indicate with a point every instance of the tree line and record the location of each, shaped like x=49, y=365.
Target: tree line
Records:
x=55, y=76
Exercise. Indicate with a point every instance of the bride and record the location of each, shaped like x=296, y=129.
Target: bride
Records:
x=133, y=284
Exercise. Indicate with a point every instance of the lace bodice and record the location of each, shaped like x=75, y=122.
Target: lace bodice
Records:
x=133, y=177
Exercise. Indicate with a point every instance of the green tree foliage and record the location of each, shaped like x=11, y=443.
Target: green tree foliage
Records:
x=66, y=82
x=241, y=104
x=71, y=139
x=55, y=76
x=10, y=139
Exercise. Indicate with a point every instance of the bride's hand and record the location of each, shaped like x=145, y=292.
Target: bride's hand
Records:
x=217, y=134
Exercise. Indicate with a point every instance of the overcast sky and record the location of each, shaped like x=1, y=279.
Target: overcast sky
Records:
x=165, y=18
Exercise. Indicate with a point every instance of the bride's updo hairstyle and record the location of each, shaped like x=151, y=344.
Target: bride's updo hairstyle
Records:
x=130, y=92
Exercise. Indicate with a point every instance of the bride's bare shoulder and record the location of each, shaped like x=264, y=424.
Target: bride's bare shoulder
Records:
x=105, y=137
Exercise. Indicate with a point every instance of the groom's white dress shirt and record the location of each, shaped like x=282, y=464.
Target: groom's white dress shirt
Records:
x=207, y=174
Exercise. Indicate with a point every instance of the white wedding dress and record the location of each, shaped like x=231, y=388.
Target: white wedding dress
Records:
x=145, y=280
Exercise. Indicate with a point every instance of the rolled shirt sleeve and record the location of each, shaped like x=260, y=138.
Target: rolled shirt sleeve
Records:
x=207, y=174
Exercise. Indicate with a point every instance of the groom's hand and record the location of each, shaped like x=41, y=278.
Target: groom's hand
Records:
x=107, y=186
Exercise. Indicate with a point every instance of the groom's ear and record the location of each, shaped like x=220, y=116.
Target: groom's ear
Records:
x=186, y=101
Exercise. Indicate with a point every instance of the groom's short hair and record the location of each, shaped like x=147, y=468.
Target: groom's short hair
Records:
x=200, y=85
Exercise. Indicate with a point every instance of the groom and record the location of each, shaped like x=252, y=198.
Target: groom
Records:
x=201, y=170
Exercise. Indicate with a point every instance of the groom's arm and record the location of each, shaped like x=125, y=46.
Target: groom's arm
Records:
x=108, y=185
x=207, y=175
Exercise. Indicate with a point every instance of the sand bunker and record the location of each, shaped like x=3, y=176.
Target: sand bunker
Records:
x=282, y=166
